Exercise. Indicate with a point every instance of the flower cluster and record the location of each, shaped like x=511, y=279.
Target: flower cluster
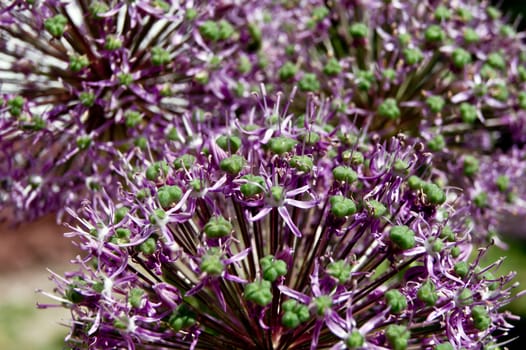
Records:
x=77, y=80
x=431, y=68
x=342, y=218
x=450, y=72
x=82, y=80
x=281, y=231
x=498, y=181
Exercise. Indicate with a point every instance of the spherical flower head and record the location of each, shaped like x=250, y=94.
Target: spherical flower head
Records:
x=449, y=72
x=80, y=83
x=347, y=252
x=450, y=68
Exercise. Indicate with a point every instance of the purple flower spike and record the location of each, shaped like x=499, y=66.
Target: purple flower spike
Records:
x=281, y=231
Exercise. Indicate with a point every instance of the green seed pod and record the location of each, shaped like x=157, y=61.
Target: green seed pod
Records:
x=355, y=340
x=375, y=208
x=229, y=143
x=342, y=207
x=309, y=82
x=471, y=36
x=358, y=30
x=281, y=144
x=148, y=247
x=444, y=346
x=465, y=297
x=468, y=113
x=402, y=237
x=415, y=183
x=217, y=227
x=442, y=13
x=259, y=292
x=435, y=103
x=448, y=234
x=294, y=314
x=184, y=162
x=413, y=55
x=496, y=60
x=344, y=174
x=78, y=62
x=132, y=119
x=56, y=25
x=471, y=165
x=502, y=183
x=120, y=213
x=389, y=109
x=398, y=336
x=434, y=33
x=232, y=165
x=273, y=268
x=15, y=105
x=135, y=297
x=112, y=43
x=159, y=56
x=255, y=185
x=287, y=71
x=156, y=170
x=460, y=57
x=226, y=30
x=210, y=30
x=427, y=293
x=437, y=143
x=481, y=200
x=157, y=217
x=302, y=163
x=181, y=318
x=83, y=142
x=322, y=304
x=87, y=99
x=434, y=194
x=461, y=268
x=276, y=193
x=211, y=262
x=341, y=270
x=396, y=301
x=168, y=195
x=481, y=319
x=332, y=67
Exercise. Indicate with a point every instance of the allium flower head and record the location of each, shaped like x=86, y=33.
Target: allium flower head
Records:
x=280, y=231
x=433, y=68
x=450, y=72
x=80, y=80
x=83, y=79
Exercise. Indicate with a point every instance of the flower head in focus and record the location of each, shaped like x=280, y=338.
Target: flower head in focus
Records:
x=281, y=231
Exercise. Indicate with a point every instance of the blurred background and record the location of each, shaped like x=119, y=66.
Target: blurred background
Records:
x=25, y=254
x=28, y=250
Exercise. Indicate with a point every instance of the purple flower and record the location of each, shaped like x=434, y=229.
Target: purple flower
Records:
x=496, y=189
x=81, y=82
x=280, y=231
x=450, y=72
